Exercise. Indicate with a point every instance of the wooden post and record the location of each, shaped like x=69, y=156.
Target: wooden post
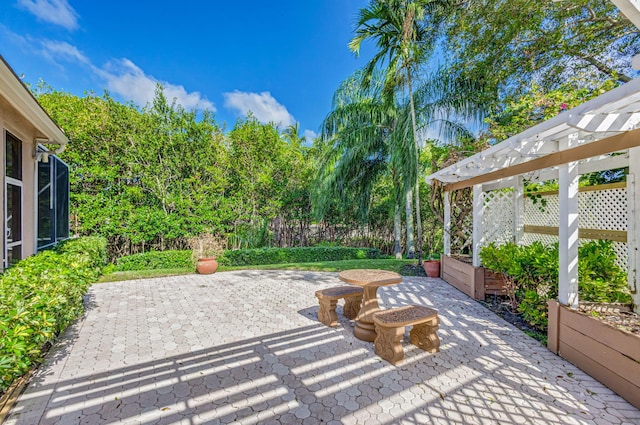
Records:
x=447, y=223
x=518, y=210
x=568, y=231
x=478, y=215
x=633, y=224
x=553, y=330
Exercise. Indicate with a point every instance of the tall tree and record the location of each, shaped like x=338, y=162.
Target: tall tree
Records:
x=404, y=39
x=367, y=138
x=509, y=44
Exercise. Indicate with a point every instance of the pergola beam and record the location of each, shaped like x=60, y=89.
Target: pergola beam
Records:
x=615, y=112
x=619, y=142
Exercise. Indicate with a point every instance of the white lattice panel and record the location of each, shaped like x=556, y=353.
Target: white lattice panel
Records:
x=542, y=211
x=598, y=209
x=622, y=253
x=603, y=209
x=498, y=216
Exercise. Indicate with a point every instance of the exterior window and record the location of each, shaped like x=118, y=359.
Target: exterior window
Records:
x=53, y=202
x=14, y=213
x=12, y=249
x=13, y=164
x=62, y=200
x=46, y=235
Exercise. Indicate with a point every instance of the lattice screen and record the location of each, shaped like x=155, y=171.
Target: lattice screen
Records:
x=462, y=238
x=598, y=209
x=498, y=216
x=461, y=221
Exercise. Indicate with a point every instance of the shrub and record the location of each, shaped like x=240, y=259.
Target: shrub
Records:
x=600, y=279
x=93, y=246
x=531, y=273
x=39, y=297
x=155, y=260
x=246, y=257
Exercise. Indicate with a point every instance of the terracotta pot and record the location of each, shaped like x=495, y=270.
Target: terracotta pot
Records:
x=432, y=268
x=207, y=265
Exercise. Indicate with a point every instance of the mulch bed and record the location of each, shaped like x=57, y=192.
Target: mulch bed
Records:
x=616, y=315
x=501, y=308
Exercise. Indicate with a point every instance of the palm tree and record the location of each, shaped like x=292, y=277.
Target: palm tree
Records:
x=403, y=42
x=366, y=136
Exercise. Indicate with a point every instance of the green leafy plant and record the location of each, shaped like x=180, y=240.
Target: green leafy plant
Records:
x=534, y=309
x=155, y=260
x=245, y=257
x=39, y=297
x=242, y=257
x=600, y=278
x=531, y=275
x=505, y=259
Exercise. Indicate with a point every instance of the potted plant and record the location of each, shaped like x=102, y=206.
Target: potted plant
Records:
x=432, y=266
x=205, y=250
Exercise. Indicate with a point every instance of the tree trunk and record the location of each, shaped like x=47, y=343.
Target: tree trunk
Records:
x=397, y=250
x=411, y=249
x=415, y=141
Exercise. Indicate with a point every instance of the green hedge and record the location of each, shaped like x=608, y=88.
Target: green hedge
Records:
x=39, y=297
x=244, y=257
x=155, y=260
x=247, y=257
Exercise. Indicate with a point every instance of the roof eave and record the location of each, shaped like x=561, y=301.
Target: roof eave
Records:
x=13, y=90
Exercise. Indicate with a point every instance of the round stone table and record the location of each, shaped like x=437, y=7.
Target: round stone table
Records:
x=370, y=281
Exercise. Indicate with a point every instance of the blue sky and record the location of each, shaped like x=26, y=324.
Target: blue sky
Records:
x=280, y=59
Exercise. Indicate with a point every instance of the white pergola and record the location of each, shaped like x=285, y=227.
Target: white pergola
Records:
x=578, y=141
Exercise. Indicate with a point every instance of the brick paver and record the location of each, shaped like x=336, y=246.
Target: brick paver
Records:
x=245, y=347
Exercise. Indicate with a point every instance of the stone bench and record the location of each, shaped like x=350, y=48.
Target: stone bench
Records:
x=390, y=326
x=328, y=299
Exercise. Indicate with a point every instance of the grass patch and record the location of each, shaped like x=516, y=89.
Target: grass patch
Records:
x=144, y=274
x=331, y=266
x=403, y=267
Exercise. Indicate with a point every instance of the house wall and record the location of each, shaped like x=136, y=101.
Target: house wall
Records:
x=12, y=121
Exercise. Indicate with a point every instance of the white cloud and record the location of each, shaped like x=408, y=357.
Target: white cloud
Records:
x=57, y=12
x=129, y=81
x=310, y=136
x=263, y=106
x=126, y=79
x=63, y=50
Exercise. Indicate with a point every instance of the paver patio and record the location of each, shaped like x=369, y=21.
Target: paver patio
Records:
x=246, y=347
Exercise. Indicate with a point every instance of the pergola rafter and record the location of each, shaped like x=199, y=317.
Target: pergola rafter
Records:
x=601, y=134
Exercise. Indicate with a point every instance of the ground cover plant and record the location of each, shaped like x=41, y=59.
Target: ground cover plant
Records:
x=39, y=297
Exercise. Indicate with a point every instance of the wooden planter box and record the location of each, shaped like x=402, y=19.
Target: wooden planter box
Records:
x=609, y=354
x=473, y=281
